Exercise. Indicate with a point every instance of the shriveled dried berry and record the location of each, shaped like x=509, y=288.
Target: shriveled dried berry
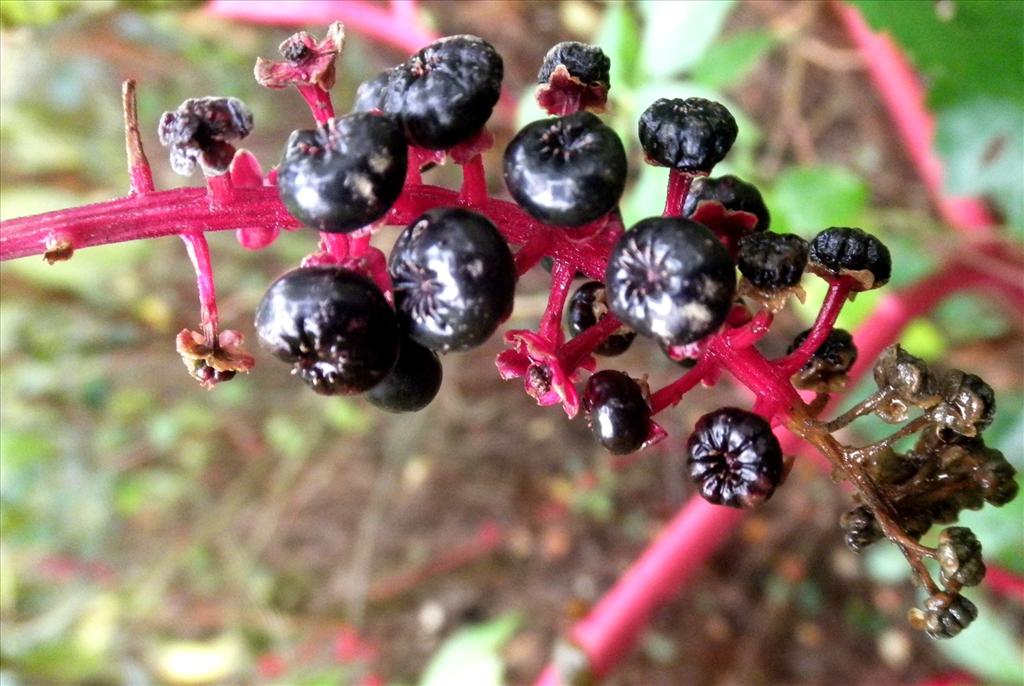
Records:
x=734, y=458
x=959, y=556
x=735, y=194
x=670, y=279
x=617, y=411
x=968, y=403
x=841, y=251
x=199, y=131
x=889, y=468
x=996, y=479
x=772, y=261
x=828, y=369
x=589, y=305
x=573, y=73
x=947, y=614
x=861, y=528
x=691, y=135
x=910, y=381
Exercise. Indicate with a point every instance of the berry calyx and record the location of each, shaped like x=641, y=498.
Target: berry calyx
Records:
x=691, y=135
x=345, y=175
x=827, y=371
x=333, y=325
x=445, y=92
x=412, y=384
x=454, y=279
x=573, y=75
x=843, y=251
x=199, y=130
x=566, y=171
x=670, y=279
x=589, y=305
x=733, y=193
x=617, y=411
x=734, y=458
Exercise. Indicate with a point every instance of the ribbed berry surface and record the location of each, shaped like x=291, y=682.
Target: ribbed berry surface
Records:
x=689, y=135
x=846, y=251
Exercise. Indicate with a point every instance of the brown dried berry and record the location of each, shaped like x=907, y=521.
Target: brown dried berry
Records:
x=959, y=555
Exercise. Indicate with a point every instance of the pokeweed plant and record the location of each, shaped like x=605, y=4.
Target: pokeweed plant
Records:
x=350, y=319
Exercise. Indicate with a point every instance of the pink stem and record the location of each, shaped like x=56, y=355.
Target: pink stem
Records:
x=199, y=253
x=474, y=183
x=670, y=395
x=551, y=322
x=337, y=245
x=319, y=102
x=838, y=291
x=370, y=19
x=572, y=353
x=1005, y=583
x=678, y=188
x=530, y=254
x=901, y=92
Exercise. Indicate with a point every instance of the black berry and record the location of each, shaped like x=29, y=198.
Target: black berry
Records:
x=734, y=458
x=446, y=91
x=587, y=307
x=454, y=279
x=861, y=528
x=670, y=279
x=842, y=251
x=344, y=175
x=733, y=193
x=617, y=411
x=829, y=366
x=333, y=325
x=372, y=93
x=566, y=170
x=199, y=131
x=959, y=556
x=586, y=63
x=690, y=135
x=772, y=261
x=947, y=614
x=412, y=384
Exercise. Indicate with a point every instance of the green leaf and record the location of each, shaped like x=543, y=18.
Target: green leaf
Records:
x=989, y=647
x=619, y=37
x=982, y=144
x=728, y=61
x=806, y=200
x=962, y=49
x=470, y=656
x=677, y=34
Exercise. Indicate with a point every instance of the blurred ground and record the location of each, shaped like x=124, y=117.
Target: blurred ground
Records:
x=270, y=526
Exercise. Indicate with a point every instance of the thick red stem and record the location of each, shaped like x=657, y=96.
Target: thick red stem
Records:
x=678, y=188
x=551, y=322
x=670, y=395
x=838, y=291
x=573, y=353
x=319, y=102
x=474, y=183
x=199, y=253
x=530, y=254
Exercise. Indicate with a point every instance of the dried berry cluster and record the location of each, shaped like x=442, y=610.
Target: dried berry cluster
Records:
x=703, y=281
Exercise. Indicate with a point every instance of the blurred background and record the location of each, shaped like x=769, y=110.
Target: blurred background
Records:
x=153, y=532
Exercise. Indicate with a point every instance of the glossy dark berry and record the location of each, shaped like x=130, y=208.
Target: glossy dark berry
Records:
x=828, y=368
x=734, y=458
x=670, y=279
x=412, y=384
x=733, y=193
x=454, y=279
x=566, y=170
x=445, y=92
x=345, y=175
x=333, y=325
x=372, y=93
x=690, y=135
x=947, y=614
x=842, y=251
x=968, y=404
x=587, y=306
x=959, y=556
x=861, y=528
x=772, y=261
x=617, y=411
x=586, y=63
x=199, y=131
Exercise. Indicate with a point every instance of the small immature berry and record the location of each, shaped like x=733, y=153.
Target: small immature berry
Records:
x=333, y=325
x=959, y=556
x=828, y=369
x=772, y=261
x=445, y=92
x=861, y=528
x=198, y=131
x=567, y=170
x=587, y=307
x=454, y=279
x=841, y=251
x=617, y=411
x=968, y=403
x=691, y=135
x=412, y=384
x=345, y=175
x=733, y=193
x=734, y=458
x=670, y=279
x=947, y=614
